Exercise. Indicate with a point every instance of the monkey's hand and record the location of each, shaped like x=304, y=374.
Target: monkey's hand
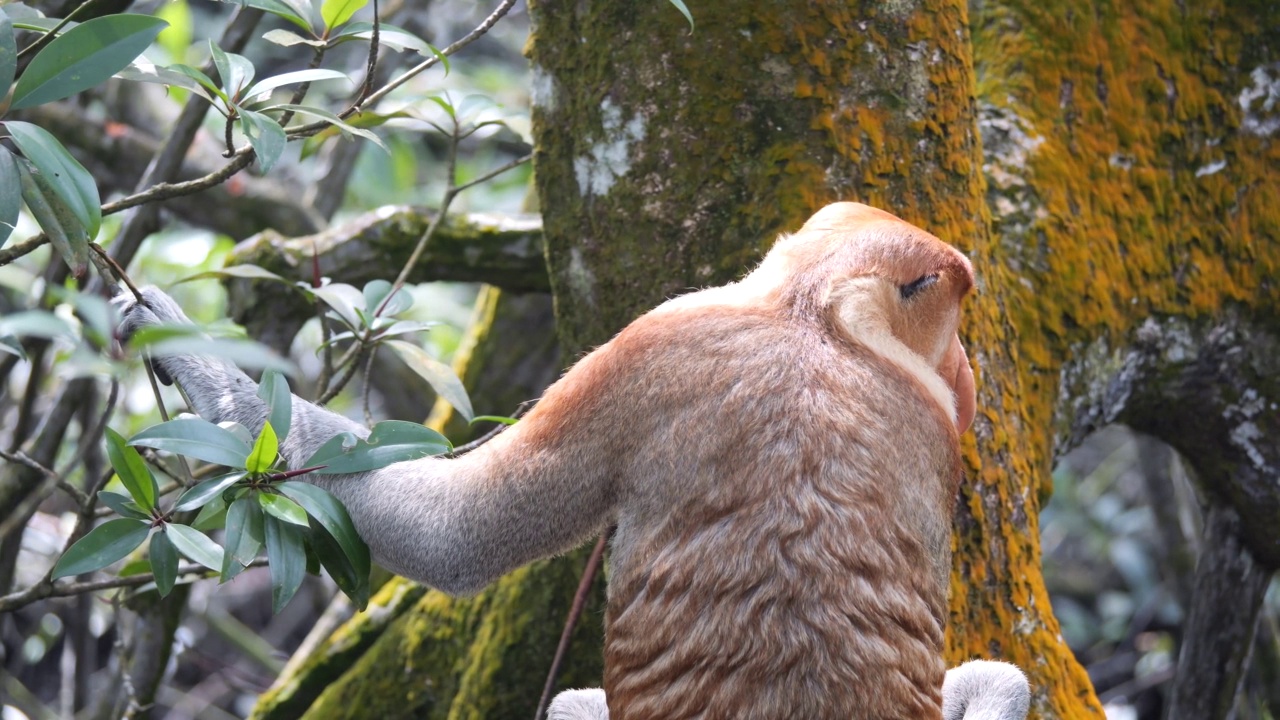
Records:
x=218, y=390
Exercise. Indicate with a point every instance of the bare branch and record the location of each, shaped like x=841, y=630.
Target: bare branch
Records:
x=41, y=591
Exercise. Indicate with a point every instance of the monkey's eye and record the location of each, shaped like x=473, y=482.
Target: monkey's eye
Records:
x=917, y=285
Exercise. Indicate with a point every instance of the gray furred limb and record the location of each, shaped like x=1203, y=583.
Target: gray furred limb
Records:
x=454, y=524
x=985, y=690
x=579, y=705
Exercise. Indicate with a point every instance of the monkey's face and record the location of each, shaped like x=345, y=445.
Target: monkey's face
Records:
x=894, y=289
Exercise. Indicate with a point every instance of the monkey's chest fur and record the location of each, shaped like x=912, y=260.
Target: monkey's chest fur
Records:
x=794, y=564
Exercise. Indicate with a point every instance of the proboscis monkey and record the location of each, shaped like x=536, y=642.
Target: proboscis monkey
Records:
x=780, y=456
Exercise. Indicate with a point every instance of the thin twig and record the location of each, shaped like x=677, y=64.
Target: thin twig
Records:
x=493, y=173
x=342, y=381
x=17, y=250
x=116, y=270
x=372, y=68
x=468, y=447
x=368, y=372
x=51, y=482
x=579, y=601
x=49, y=36
x=22, y=598
x=166, y=191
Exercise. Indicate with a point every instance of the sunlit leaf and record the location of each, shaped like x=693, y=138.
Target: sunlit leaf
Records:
x=200, y=78
x=123, y=505
x=142, y=71
x=204, y=492
x=266, y=85
x=264, y=452
x=441, y=377
x=500, y=419
x=331, y=515
x=283, y=508
x=337, y=12
x=197, y=438
x=265, y=135
x=274, y=391
x=164, y=562
x=67, y=177
x=289, y=39
x=390, y=441
x=196, y=545
x=252, y=272
x=287, y=556
x=393, y=37
x=294, y=12
x=85, y=56
x=102, y=546
x=175, y=39
x=132, y=470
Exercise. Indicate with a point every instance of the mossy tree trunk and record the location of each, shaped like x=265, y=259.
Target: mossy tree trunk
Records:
x=1124, y=235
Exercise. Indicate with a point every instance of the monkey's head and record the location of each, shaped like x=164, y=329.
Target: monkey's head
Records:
x=888, y=286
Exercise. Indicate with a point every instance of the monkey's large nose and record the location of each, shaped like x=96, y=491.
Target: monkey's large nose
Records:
x=956, y=371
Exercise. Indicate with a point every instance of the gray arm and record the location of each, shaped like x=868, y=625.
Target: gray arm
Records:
x=455, y=524
x=985, y=690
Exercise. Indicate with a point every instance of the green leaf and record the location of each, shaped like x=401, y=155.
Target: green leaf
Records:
x=200, y=79
x=265, y=450
x=10, y=344
x=287, y=555
x=293, y=12
x=201, y=494
x=197, y=438
x=337, y=12
x=267, y=85
x=133, y=471
x=244, y=532
x=283, y=508
x=289, y=39
x=10, y=188
x=333, y=517
x=440, y=376
x=36, y=323
x=59, y=223
x=8, y=54
x=391, y=441
x=84, y=56
x=73, y=184
x=246, y=354
x=274, y=391
x=344, y=299
x=375, y=295
x=164, y=562
x=252, y=272
x=212, y=516
x=123, y=505
x=330, y=554
x=234, y=71
x=684, y=10
x=334, y=120
x=265, y=135
x=104, y=545
x=196, y=545
x=142, y=71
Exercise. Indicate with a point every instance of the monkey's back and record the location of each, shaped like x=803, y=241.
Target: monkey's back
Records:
x=787, y=559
